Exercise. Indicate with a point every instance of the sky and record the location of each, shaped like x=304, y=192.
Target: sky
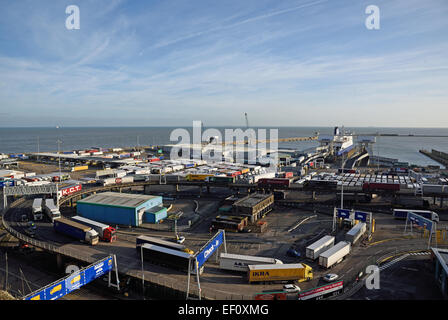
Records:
x=170, y=62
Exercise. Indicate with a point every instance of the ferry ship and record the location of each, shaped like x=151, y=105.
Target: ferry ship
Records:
x=341, y=141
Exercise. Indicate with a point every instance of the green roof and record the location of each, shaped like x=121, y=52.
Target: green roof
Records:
x=116, y=199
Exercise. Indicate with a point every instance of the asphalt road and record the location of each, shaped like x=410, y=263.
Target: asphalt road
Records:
x=216, y=283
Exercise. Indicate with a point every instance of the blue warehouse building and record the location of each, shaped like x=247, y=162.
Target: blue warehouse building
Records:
x=122, y=208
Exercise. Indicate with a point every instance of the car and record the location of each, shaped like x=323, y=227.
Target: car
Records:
x=291, y=288
x=293, y=253
x=180, y=239
x=31, y=225
x=330, y=277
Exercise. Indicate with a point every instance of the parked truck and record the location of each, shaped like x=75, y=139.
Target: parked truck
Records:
x=168, y=257
x=51, y=210
x=105, y=232
x=315, y=249
x=238, y=262
x=279, y=272
x=36, y=209
x=76, y=230
x=335, y=254
x=121, y=180
x=356, y=232
x=162, y=243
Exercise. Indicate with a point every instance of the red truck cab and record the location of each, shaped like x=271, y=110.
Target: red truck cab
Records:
x=109, y=234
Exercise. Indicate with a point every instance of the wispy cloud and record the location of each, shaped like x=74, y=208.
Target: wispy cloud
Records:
x=271, y=60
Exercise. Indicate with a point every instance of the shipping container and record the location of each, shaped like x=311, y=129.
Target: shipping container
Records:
x=220, y=179
x=79, y=168
x=335, y=254
x=315, y=249
x=238, y=262
x=434, y=189
x=198, y=177
x=110, y=181
x=380, y=186
x=274, y=182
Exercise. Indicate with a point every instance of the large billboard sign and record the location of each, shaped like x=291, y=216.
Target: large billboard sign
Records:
x=73, y=281
x=420, y=221
x=208, y=250
x=70, y=190
x=320, y=292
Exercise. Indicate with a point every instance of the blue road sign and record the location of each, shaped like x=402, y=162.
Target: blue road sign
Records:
x=343, y=213
x=420, y=221
x=361, y=216
x=210, y=248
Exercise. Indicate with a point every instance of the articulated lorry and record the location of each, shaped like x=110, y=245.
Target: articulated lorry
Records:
x=105, y=232
x=76, y=230
x=315, y=249
x=36, y=210
x=238, y=262
x=51, y=210
x=356, y=232
x=171, y=258
x=279, y=272
x=335, y=254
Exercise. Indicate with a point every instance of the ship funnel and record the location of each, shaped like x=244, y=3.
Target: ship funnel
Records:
x=336, y=131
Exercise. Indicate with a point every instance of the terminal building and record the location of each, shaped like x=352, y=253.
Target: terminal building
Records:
x=441, y=269
x=254, y=206
x=122, y=208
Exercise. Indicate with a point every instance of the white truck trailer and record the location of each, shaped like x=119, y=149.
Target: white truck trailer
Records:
x=315, y=249
x=356, y=232
x=335, y=254
x=51, y=210
x=36, y=210
x=238, y=262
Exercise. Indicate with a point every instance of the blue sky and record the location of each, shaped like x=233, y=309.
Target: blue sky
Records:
x=285, y=63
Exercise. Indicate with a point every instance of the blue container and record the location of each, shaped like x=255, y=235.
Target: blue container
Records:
x=74, y=232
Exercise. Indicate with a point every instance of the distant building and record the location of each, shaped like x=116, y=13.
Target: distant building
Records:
x=254, y=206
x=122, y=209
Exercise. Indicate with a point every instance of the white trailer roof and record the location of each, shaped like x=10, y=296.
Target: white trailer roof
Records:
x=166, y=250
x=353, y=231
x=320, y=242
x=92, y=222
x=245, y=257
x=335, y=249
x=275, y=266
